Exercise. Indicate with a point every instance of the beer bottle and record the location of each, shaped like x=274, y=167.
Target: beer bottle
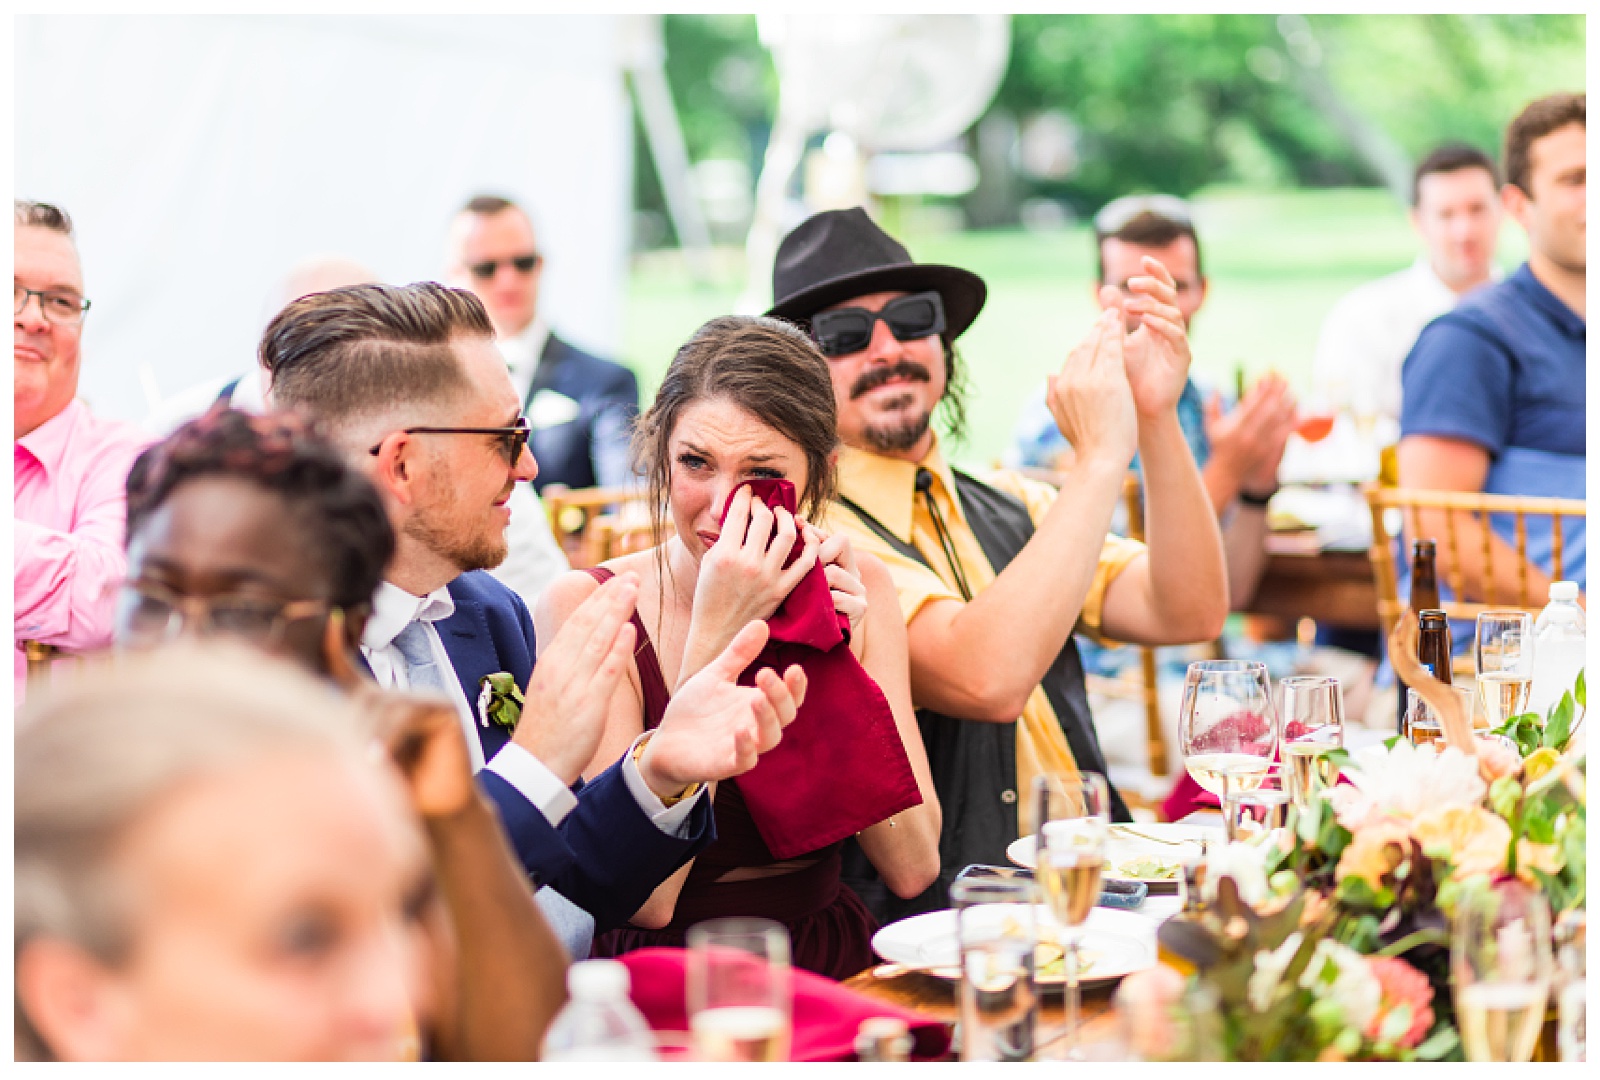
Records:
x=1424, y=597
x=1433, y=644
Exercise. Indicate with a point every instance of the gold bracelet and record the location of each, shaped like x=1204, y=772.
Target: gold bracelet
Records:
x=668, y=801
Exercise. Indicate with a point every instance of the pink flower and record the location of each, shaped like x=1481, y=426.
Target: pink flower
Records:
x=1402, y=984
x=1495, y=759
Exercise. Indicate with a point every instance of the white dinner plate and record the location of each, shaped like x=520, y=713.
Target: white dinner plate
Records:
x=1117, y=943
x=1122, y=847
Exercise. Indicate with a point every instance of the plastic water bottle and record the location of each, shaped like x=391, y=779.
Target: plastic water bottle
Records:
x=599, y=1022
x=1558, y=638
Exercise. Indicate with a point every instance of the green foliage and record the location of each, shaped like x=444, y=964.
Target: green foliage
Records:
x=1579, y=692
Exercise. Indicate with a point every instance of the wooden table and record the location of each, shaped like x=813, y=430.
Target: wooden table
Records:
x=1333, y=587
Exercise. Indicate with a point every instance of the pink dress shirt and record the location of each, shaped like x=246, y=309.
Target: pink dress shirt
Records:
x=70, y=509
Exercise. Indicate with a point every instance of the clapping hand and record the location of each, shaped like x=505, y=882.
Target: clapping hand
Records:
x=1157, y=351
x=569, y=692
x=714, y=728
x=1249, y=441
x=1090, y=398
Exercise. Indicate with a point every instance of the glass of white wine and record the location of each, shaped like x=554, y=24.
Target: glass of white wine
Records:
x=739, y=996
x=1248, y=814
x=1313, y=725
x=1503, y=653
x=1226, y=728
x=1074, y=816
x=1501, y=969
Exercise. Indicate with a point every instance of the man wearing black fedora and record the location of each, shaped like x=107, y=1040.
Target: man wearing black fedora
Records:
x=994, y=577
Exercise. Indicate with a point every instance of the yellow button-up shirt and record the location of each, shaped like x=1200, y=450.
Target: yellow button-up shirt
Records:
x=886, y=489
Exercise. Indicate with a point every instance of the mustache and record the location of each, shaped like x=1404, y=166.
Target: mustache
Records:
x=903, y=369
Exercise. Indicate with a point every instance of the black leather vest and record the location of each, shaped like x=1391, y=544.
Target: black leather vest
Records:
x=974, y=762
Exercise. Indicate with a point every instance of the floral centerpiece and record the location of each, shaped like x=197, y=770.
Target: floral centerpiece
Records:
x=1332, y=942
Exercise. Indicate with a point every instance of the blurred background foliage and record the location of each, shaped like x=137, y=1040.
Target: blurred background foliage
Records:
x=1094, y=106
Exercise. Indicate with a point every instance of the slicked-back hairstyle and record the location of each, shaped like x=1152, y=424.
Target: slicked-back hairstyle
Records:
x=98, y=750
x=488, y=204
x=334, y=507
x=1540, y=118
x=42, y=215
x=771, y=370
x=1147, y=228
x=1449, y=158
x=368, y=349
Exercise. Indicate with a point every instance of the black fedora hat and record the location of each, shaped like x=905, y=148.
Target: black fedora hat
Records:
x=839, y=254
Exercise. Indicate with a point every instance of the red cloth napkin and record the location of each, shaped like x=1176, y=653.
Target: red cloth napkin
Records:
x=840, y=766
x=826, y=1014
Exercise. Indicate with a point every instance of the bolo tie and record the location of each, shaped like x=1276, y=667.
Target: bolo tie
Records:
x=925, y=486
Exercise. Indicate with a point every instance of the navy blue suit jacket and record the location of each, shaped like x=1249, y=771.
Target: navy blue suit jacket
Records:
x=607, y=856
x=592, y=448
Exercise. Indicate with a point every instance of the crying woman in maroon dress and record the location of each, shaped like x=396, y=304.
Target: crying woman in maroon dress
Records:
x=739, y=448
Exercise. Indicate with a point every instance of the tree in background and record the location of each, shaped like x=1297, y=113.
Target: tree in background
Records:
x=1177, y=102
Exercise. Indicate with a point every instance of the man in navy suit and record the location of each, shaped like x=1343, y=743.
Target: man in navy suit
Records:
x=581, y=407
x=407, y=381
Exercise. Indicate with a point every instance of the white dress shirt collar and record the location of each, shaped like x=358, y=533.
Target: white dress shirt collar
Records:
x=393, y=609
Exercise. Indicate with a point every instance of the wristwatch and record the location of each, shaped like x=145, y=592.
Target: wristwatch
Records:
x=668, y=801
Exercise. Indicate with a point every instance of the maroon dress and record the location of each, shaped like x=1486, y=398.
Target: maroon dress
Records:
x=830, y=929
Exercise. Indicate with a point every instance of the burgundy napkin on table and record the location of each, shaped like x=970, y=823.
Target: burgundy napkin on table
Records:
x=826, y=1014
x=840, y=766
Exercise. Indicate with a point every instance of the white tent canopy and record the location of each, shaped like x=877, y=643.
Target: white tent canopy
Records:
x=202, y=157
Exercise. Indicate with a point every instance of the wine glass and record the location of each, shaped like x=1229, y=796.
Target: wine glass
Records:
x=1503, y=653
x=1313, y=724
x=1226, y=728
x=739, y=1000
x=1501, y=969
x=1251, y=813
x=1074, y=816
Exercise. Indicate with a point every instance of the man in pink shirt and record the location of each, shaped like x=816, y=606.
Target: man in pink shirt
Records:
x=71, y=466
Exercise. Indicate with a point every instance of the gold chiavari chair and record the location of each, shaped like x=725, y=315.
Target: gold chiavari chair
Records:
x=1465, y=517
x=573, y=514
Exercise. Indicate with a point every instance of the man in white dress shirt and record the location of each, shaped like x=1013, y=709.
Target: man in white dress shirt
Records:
x=1455, y=209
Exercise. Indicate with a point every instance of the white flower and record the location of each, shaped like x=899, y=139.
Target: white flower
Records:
x=1269, y=969
x=1245, y=864
x=1404, y=782
x=1339, y=974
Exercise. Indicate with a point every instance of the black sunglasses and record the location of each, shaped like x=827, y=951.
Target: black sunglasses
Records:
x=524, y=264
x=513, y=439
x=846, y=330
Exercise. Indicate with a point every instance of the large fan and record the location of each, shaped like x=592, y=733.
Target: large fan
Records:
x=888, y=82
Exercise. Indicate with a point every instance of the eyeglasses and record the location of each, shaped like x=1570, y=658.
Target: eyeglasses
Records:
x=56, y=305
x=846, y=330
x=149, y=613
x=523, y=264
x=513, y=439
x=1118, y=212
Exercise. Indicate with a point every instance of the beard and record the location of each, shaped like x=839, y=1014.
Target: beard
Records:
x=898, y=435
x=483, y=549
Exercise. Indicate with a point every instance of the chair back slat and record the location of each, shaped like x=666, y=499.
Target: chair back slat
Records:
x=1411, y=502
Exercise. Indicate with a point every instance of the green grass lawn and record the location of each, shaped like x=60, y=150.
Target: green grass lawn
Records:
x=1276, y=263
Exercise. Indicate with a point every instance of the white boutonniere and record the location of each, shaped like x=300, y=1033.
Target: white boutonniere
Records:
x=499, y=700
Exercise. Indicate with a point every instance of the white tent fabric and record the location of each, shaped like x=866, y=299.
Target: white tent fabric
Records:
x=202, y=157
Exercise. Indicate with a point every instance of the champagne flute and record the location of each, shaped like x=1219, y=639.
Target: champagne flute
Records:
x=1074, y=816
x=1313, y=724
x=1226, y=728
x=1503, y=652
x=1501, y=969
x=739, y=999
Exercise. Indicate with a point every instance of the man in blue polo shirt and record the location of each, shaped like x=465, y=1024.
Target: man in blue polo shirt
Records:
x=1493, y=395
